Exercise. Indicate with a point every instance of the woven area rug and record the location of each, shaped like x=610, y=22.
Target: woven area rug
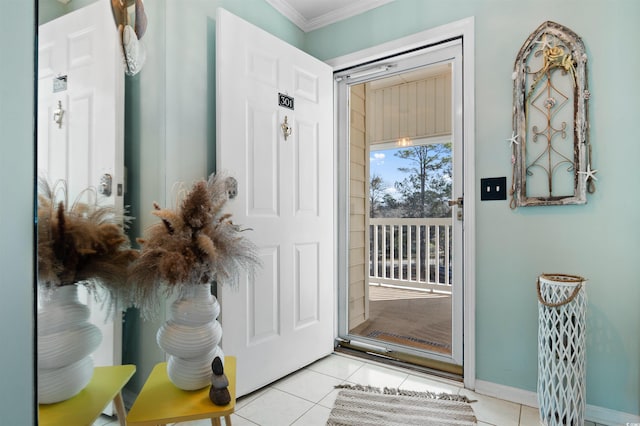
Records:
x=366, y=406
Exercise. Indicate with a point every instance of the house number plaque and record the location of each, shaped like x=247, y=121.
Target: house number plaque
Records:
x=59, y=83
x=285, y=101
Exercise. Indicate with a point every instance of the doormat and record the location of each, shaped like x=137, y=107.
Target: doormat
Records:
x=358, y=405
x=411, y=341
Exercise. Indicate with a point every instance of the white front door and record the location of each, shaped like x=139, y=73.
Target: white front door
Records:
x=80, y=77
x=282, y=318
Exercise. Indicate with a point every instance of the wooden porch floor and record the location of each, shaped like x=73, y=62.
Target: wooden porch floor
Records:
x=407, y=317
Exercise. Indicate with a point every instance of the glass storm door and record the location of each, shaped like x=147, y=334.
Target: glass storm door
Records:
x=401, y=206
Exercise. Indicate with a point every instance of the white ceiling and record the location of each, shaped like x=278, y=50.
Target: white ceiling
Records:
x=309, y=15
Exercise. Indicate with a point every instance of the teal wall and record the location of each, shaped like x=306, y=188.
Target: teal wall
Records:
x=599, y=241
x=17, y=29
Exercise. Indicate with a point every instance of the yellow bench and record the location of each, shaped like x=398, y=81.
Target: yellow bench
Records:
x=161, y=402
x=83, y=409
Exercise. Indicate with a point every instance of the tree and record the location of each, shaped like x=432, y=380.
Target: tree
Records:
x=428, y=187
x=390, y=202
x=376, y=190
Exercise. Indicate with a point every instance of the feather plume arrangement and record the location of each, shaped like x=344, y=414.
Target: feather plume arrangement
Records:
x=197, y=243
x=83, y=243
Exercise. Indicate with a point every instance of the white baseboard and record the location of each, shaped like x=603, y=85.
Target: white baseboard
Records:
x=508, y=393
x=593, y=413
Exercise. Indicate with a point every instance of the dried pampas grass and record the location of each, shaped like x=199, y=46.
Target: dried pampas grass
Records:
x=194, y=244
x=83, y=243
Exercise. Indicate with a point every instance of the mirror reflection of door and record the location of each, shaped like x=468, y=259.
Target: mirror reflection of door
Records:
x=80, y=127
x=405, y=280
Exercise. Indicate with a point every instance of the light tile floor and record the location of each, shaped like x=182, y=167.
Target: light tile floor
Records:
x=305, y=397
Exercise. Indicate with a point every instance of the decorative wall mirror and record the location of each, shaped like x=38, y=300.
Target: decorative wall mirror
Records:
x=550, y=144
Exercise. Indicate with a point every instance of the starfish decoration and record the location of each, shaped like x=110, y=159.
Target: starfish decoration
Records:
x=513, y=139
x=589, y=174
x=545, y=42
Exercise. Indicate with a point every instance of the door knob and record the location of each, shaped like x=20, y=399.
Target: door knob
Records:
x=286, y=129
x=58, y=114
x=457, y=202
x=105, y=185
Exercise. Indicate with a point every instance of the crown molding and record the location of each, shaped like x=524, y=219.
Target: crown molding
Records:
x=306, y=25
x=289, y=12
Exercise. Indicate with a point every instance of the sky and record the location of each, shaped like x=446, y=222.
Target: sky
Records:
x=385, y=164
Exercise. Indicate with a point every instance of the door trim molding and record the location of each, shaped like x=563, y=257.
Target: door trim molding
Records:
x=463, y=28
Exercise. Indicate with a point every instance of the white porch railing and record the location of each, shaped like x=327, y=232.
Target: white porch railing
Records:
x=413, y=253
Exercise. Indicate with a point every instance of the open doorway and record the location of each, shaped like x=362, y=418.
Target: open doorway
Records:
x=402, y=187
x=410, y=257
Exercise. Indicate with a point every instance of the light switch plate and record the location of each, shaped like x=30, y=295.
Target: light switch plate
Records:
x=493, y=188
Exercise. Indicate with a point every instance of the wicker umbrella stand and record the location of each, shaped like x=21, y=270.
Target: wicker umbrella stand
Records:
x=561, y=349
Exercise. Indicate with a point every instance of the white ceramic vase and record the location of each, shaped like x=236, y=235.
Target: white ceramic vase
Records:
x=66, y=340
x=191, y=336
